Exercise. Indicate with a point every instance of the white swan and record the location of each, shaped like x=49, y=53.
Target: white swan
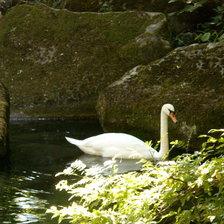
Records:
x=126, y=146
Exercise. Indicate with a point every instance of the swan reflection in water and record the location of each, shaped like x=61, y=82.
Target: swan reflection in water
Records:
x=105, y=164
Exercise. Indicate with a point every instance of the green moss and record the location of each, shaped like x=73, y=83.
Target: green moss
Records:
x=56, y=57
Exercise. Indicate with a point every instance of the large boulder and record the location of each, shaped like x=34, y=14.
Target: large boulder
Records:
x=55, y=62
x=4, y=121
x=191, y=78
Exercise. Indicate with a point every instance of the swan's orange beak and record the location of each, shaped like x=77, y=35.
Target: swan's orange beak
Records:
x=173, y=117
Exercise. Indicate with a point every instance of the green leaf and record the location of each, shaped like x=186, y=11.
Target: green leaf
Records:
x=198, y=37
x=220, y=146
x=190, y=8
x=172, y=13
x=205, y=37
x=171, y=1
x=203, y=136
x=221, y=37
x=212, y=218
x=216, y=130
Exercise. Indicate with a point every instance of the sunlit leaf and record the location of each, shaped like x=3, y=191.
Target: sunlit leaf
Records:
x=215, y=130
x=218, y=176
x=205, y=37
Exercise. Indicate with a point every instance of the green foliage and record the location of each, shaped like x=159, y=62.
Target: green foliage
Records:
x=106, y=6
x=213, y=30
x=188, y=189
x=210, y=31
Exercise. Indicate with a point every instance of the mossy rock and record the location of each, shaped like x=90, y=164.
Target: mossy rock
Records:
x=191, y=78
x=4, y=121
x=55, y=62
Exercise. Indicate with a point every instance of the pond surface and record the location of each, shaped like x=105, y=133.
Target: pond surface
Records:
x=38, y=151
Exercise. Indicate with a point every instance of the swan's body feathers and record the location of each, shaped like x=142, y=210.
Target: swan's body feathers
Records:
x=118, y=145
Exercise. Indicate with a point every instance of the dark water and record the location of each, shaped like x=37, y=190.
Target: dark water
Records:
x=38, y=152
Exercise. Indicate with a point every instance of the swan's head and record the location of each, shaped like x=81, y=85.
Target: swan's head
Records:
x=169, y=110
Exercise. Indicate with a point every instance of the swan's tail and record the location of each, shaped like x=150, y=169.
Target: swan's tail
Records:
x=74, y=141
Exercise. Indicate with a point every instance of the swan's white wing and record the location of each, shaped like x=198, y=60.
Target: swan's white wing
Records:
x=117, y=145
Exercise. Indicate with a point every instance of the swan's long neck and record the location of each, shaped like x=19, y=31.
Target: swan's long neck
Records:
x=164, y=140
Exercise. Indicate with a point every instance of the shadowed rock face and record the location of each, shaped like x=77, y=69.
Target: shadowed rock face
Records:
x=4, y=120
x=55, y=62
x=191, y=78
